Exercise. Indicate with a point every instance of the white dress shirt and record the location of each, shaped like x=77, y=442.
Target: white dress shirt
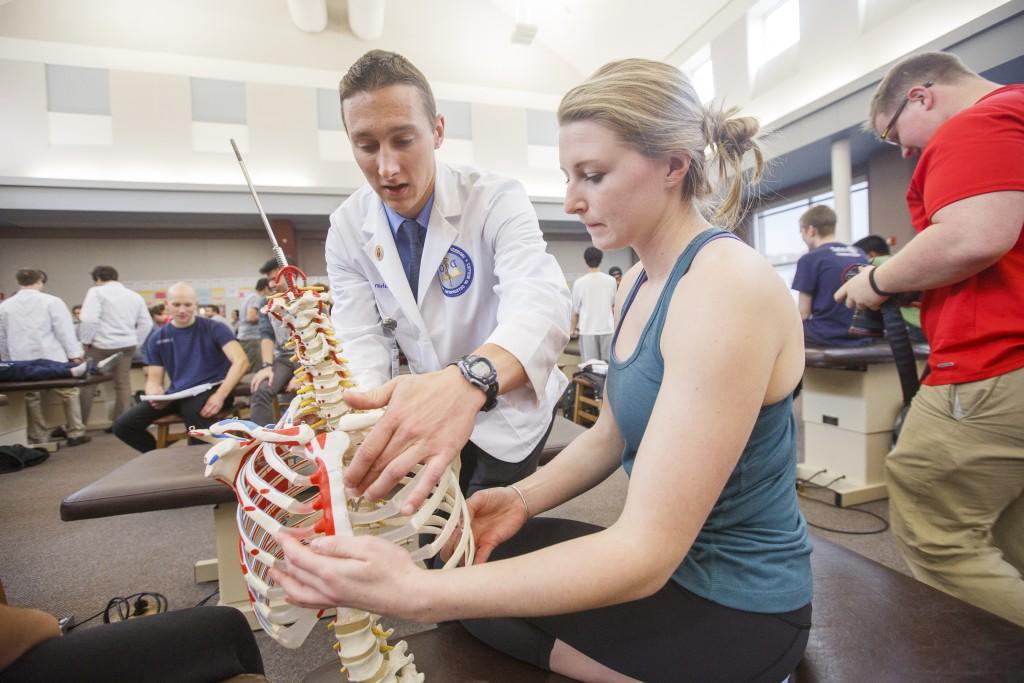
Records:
x=35, y=325
x=114, y=317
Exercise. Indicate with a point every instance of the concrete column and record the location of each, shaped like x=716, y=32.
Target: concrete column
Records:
x=842, y=176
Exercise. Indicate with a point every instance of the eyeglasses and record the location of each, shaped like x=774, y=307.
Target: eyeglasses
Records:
x=899, y=110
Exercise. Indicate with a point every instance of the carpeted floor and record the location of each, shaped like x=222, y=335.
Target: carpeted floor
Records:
x=76, y=567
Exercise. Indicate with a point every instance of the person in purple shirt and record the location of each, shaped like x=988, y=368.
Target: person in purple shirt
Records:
x=191, y=350
x=819, y=274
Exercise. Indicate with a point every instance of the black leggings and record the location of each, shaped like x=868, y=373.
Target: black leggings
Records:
x=672, y=635
x=197, y=645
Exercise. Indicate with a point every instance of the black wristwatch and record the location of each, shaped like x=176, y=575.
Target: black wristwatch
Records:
x=264, y=366
x=480, y=372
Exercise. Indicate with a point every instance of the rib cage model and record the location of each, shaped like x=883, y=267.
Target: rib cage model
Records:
x=288, y=478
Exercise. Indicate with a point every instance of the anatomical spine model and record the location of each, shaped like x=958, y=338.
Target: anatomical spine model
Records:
x=288, y=478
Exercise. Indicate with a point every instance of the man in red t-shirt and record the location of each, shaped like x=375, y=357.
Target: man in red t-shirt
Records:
x=956, y=477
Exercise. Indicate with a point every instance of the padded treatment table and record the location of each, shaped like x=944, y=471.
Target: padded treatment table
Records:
x=169, y=478
x=851, y=397
x=165, y=479
x=13, y=419
x=450, y=654
x=871, y=623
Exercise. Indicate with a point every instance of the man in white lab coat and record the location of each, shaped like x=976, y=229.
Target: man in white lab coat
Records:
x=115, y=320
x=450, y=264
x=34, y=326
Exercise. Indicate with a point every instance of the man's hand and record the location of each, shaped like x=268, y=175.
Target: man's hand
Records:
x=430, y=417
x=260, y=377
x=76, y=360
x=156, y=390
x=213, y=405
x=857, y=292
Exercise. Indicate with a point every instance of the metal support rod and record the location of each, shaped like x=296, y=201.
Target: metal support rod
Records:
x=282, y=260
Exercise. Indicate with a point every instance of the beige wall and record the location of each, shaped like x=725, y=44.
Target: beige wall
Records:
x=68, y=260
x=888, y=179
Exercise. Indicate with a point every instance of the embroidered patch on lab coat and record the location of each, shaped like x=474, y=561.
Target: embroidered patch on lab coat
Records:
x=456, y=272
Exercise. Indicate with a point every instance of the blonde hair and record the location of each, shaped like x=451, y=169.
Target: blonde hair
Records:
x=937, y=67
x=653, y=107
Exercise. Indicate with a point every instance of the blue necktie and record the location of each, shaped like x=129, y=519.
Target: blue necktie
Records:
x=410, y=250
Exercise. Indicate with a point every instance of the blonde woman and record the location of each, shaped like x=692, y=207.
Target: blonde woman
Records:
x=706, y=574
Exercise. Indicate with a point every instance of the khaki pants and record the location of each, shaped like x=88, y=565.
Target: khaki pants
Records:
x=956, y=491
x=122, y=380
x=37, y=431
x=252, y=352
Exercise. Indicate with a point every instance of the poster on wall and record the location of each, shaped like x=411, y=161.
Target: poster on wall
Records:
x=228, y=293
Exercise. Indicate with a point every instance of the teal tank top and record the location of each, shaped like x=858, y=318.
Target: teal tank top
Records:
x=753, y=552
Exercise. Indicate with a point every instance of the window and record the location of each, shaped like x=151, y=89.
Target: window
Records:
x=781, y=29
x=777, y=231
x=702, y=74
x=773, y=27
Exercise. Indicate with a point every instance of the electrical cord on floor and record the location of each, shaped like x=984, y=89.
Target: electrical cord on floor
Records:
x=807, y=483
x=207, y=598
x=128, y=607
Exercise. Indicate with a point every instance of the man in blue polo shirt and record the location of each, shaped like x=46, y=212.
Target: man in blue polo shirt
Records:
x=192, y=351
x=818, y=276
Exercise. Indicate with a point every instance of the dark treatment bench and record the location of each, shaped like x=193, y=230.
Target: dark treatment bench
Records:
x=13, y=418
x=870, y=624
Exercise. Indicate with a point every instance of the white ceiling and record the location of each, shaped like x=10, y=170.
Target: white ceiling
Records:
x=462, y=43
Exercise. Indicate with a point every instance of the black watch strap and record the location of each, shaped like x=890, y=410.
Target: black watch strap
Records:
x=480, y=372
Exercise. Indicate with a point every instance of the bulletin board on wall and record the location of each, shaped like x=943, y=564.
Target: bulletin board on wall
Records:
x=229, y=292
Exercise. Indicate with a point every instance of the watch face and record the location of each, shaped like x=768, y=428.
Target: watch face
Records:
x=481, y=369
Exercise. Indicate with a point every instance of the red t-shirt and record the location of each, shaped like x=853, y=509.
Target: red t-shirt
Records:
x=976, y=326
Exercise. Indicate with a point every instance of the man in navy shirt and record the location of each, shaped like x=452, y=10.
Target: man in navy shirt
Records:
x=191, y=351
x=819, y=275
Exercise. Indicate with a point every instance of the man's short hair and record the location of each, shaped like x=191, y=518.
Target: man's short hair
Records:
x=873, y=244
x=157, y=309
x=937, y=67
x=593, y=256
x=379, y=69
x=29, y=276
x=269, y=266
x=821, y=217
x=262, y=284
x=615, y=270
x=104, y=273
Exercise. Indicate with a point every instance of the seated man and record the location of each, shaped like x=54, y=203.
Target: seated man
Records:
x=819, y=274
x=43, y=369
x=276, y=370
x=191, y=350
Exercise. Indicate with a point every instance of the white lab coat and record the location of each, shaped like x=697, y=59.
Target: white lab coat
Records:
x=516, y=297
x=36, y=325
x=114, y=317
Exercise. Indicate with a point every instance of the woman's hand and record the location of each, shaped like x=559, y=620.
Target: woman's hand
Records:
x=497, y=514
x=363, y=572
